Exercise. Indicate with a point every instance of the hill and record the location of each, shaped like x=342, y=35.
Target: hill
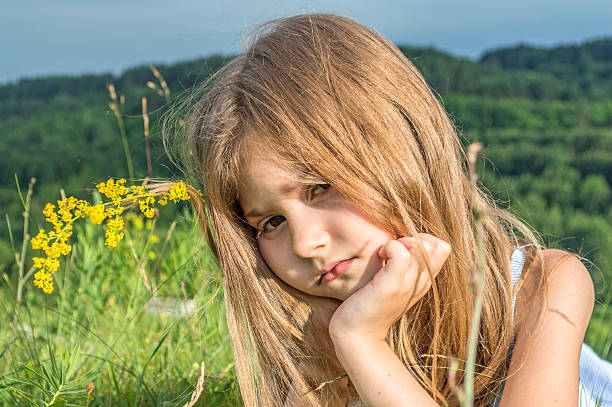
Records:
x=544, y=114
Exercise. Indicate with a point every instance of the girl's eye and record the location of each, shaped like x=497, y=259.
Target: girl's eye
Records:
x=275, y=221
x=270, y=224
x=318, y=189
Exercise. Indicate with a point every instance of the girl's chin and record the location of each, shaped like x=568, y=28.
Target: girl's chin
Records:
x=348, y=291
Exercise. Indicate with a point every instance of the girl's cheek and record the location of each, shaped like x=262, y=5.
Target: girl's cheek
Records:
x=263, y=250
x=272, y=255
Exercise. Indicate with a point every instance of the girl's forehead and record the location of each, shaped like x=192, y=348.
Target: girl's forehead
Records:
x=261, y=158
x=264, y=170
x=263, y=182
x=257, y=149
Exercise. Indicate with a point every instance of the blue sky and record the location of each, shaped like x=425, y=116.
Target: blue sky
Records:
x=47, y=37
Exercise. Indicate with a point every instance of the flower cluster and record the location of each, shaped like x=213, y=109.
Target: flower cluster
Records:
x=55, y=242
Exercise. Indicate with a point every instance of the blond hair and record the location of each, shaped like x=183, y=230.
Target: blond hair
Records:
x=334, y=100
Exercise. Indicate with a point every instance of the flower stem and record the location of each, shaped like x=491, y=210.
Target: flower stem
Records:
x=26, y=222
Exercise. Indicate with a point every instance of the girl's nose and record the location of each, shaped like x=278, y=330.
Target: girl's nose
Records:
x=309, y=237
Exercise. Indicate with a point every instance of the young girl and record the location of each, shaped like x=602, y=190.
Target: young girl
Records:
x=337, y=204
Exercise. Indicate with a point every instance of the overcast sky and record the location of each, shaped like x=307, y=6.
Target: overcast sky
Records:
x=46, y=37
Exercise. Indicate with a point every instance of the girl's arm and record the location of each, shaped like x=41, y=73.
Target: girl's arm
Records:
x=380, y=378
x=544, y=367
x=359, y=326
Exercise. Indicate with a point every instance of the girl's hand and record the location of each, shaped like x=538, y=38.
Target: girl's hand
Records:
x=398, y=285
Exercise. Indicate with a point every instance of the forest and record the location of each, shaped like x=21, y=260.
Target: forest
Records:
x=144, y=323
x=543, y=114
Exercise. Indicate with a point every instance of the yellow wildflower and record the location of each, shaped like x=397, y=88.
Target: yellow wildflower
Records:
x=39, y=262
x=145, y=207
x=43, y=281
x=49, y=209
x=113, y=231
x=96, y=214
x=178, y=192
x=40, y=240
x=55, y=243
x=138, y=190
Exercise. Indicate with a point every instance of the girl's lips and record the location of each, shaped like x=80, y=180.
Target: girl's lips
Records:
x=337, y=270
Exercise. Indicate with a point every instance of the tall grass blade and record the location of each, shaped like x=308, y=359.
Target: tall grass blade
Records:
x=19, y=191
x=10, y=232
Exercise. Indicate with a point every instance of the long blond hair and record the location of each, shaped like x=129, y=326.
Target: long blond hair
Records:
x=334, y=100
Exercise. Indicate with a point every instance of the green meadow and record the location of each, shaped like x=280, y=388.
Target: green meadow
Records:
x=143, y=324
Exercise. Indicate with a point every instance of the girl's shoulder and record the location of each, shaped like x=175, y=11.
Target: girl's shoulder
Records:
x=553, y=308
x=555, y=281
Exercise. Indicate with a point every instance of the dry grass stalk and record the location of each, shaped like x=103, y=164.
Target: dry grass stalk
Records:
x=163, y=248
x=465, y=392
x=332, y=381
x=195, y=396
x=145, y=119
x=141, y=268
x=111, y=92
x=162, y=83
x=115, y=109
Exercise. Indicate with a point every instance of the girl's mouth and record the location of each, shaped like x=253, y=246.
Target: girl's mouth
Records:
x=337, y=270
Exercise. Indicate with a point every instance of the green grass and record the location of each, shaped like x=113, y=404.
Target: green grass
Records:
x=103, y=326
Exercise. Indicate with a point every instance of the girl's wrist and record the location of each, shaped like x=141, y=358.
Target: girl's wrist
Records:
x=348, y=348
x=350, y=341
x=341, y=332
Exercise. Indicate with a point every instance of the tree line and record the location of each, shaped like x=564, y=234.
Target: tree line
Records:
x=543, y=114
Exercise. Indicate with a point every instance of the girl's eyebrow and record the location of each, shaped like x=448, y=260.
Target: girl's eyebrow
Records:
x=285, y=189
x=253, y=213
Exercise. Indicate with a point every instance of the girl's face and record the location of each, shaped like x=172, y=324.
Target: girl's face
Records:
x=311, y=237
